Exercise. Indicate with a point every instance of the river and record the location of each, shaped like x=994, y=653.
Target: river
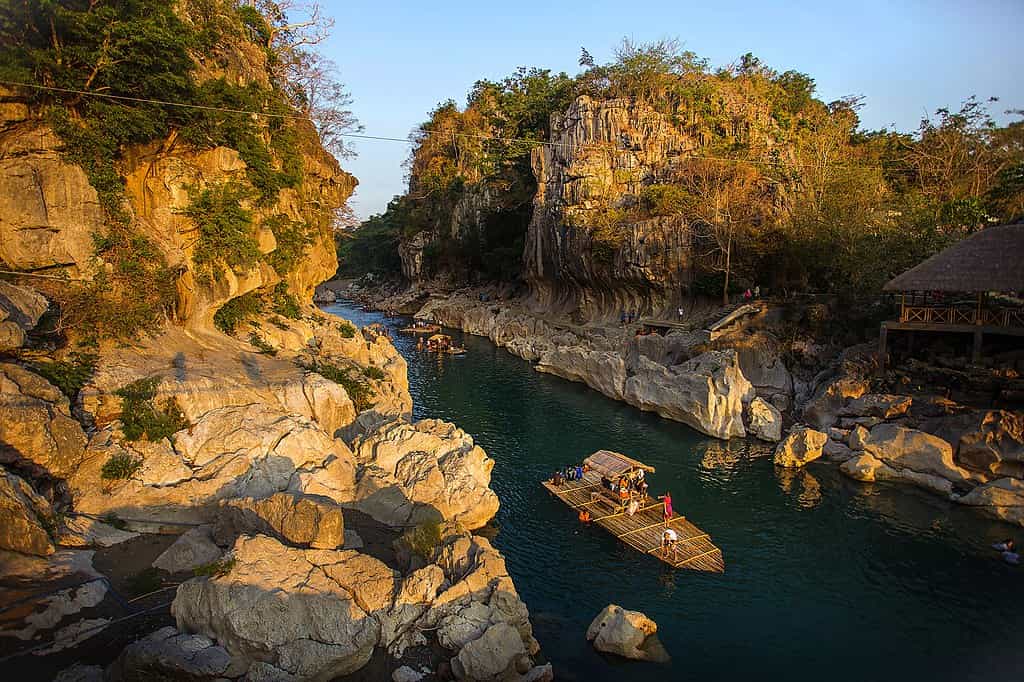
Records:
x=825, y=578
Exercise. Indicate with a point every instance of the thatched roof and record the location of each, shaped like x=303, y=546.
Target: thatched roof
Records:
x=989, y=260
x=614, y=464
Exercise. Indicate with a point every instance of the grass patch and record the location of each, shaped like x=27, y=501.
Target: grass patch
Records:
x=120, y=467
x=142, y=417
x=69, y=375
x=347, y=330
x=261, y=345
x=424, y=538
x=372, y=372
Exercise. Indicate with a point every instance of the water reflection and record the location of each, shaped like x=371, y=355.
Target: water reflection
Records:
x=799, y=483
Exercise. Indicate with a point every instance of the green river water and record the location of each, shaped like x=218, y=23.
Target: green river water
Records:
x=826, y=578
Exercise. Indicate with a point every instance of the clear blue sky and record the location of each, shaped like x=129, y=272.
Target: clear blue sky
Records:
x=399, y=59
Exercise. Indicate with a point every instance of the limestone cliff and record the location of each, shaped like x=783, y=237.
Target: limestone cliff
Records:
x=602, y=153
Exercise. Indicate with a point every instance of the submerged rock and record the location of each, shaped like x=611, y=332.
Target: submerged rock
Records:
x=170, y=655
x=624, y=633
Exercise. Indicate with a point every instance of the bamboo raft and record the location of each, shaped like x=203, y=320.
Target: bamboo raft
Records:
x=427, y=329
x=642, y=531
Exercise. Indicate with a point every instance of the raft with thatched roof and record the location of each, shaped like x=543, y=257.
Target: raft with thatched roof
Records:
x=643, y=530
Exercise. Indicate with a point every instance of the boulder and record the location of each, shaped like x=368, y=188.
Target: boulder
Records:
x=828, y=401
x=858, y=437
x=880, y=406
x=802, y=445
x=708, y=392
x=623, y=633
x=80, y=672
x=37, y=432
x=192, y=549
x=903, y=448
x=1002, y=499
x=170, y=655
x=82, y=531
x=315, y=614
x=866, y=467
x=994, y=445
x=834, y=451
x=299, y=520
x=25, y=517
x=764, y=421
x=490, y=655
x=20, y=310
x=427, y=471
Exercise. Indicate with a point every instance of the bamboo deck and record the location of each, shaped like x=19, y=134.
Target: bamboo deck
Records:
x=642, y=531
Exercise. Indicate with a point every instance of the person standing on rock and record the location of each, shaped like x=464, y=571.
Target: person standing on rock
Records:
x=680, y=312
x=667, y=506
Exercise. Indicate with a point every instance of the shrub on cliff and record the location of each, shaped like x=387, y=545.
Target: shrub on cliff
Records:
x=237, y=311
x=142, y=417
x=225, y=231
x=69, y=375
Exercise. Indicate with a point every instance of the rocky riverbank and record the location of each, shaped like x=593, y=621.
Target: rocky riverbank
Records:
x=826, y=404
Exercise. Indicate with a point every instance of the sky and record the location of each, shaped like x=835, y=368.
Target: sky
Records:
x=400, y=59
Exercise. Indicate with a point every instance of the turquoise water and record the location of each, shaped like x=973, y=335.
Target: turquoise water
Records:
x=826, y=579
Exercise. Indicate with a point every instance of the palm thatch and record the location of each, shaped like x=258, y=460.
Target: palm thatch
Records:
x=989, y=260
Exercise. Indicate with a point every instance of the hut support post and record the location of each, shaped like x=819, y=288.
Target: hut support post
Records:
x=883, y=350
x=976, y=347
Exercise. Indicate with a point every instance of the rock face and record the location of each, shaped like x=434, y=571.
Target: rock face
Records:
x=621, y=632
x=250, y=451
x=603, y=153
x=20, y=310
x=909, y=449
x=37, y=432
x=707, y=392
x=24, y=517
x=193, y=549
x=765, y=421
x=426, y=471
x=801, y=446
x=995, y=445
x=299, y=520
x=315, y=614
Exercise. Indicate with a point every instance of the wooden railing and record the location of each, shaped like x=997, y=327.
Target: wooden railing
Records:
x=949, y=314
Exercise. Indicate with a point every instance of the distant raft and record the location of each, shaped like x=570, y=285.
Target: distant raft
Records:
x=643, y=531
x=421, y=329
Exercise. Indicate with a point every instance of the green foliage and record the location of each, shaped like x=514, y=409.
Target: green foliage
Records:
x=69, y=375
x=120, y=466
x=371, y=372
x=237, y=311
x=358, y=390
x=142, y=417
x=346, y=330
x=225, y=231
x=284, y=303
x=261, y=345
x=215, y=568
x=293, y=237
x=424, y=539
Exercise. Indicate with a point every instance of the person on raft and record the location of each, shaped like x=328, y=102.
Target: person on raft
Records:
x=667, y=505
x=584, y=516
x=1004, y=546
x=668, y=540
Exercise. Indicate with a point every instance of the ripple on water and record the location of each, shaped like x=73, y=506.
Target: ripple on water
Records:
x=825, y=578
